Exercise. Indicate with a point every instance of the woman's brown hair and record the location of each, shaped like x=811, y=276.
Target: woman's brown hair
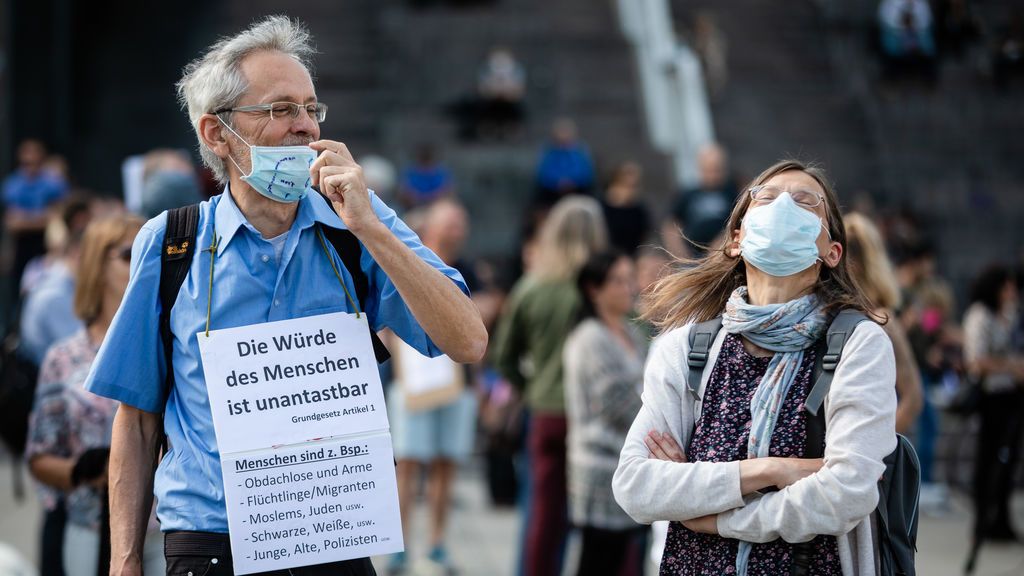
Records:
x=700, y=289
x=97, y=241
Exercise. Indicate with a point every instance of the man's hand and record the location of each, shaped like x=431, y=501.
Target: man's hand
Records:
x=338, y=176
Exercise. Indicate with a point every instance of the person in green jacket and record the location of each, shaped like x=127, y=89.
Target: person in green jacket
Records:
x=541, y=311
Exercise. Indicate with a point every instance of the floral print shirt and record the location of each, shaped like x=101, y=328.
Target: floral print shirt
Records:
x=721, y=436
x=67, y=420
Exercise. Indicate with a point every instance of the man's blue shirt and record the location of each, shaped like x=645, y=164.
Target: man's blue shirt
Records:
x=249, y=287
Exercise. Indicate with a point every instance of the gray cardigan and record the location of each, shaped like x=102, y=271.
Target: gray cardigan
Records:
x=601, y=382
x=838, y=500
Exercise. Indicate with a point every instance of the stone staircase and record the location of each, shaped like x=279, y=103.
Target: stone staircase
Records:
x=388, y=70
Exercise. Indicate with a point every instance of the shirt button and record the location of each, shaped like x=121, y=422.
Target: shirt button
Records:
x=266, y=258
x=277, y=302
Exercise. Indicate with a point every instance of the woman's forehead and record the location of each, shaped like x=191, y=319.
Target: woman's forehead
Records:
x=795, y=179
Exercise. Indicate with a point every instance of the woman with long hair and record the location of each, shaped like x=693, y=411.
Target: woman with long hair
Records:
x=69, y=430
x=604, y=359
x=778, y=283
x=539, y=314
x=871, y=268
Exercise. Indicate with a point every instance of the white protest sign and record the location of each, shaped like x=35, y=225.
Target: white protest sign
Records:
x=302, y=429
x=291, y=381
x=318, y=502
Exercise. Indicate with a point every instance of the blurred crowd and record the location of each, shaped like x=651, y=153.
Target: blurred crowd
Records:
x=548, y=410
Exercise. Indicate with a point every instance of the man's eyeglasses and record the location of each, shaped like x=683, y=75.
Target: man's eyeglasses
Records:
x=767, y=194
x=317, y=112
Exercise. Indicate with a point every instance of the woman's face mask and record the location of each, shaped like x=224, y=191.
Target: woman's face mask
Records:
x=780, y=238
x=280, y=173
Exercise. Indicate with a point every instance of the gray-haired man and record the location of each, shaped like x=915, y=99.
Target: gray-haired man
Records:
x=247, y=95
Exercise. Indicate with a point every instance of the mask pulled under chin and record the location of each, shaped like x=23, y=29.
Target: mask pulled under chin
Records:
x=780, y=239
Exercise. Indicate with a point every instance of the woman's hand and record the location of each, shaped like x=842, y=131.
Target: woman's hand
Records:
x=664, y=447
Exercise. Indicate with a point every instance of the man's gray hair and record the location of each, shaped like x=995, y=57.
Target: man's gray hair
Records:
x=214, y=81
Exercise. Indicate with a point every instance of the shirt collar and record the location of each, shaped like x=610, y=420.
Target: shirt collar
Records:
x=313, y=209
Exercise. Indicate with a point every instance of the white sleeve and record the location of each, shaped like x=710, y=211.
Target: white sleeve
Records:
x=649, y=489
x=860, y=416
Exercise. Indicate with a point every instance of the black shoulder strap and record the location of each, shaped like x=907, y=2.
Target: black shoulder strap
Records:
x=179, y=246
x=829, y=350
x=702, y=336
x=350, y=251
x=839, y=331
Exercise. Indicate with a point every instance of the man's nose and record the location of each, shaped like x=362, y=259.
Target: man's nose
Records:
x=303, y=124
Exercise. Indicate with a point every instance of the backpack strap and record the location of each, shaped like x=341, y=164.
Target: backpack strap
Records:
x=702, y=336
x=350, y=251
x=175, y=260
x=839, y=331
x=829, y=351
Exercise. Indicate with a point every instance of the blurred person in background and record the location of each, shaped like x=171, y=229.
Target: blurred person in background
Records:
x=70, y=219
x=745, y=430
x=565, y=166
x=699, y=214
x=996, y=365
x=604, y=360
x=539, y=314
x=1008, y=52
x=936, y=343
x=870, y=267
x=27, y=193
x=381, y=176
x=47, y=315
x=425, y=181
x=624, y=212
x=169, y=180
x=69, y=432
x=907, y=38
x=501, y=87
x=434, y=440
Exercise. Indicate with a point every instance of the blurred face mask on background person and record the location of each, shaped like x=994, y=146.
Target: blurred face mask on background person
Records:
x=280, y=173
x=780, y=238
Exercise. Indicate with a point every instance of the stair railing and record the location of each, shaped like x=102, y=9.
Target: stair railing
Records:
x=676, y=109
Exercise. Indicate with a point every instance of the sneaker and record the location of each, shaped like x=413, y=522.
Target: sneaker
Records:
x=397, y=564
x=439, y=557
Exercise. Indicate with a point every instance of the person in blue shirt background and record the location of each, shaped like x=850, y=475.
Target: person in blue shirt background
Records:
x=565, y=165
x=252, y=89
x=426, y=180
x=27, y=194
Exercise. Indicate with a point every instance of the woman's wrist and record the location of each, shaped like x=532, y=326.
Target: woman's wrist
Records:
x=756, y=473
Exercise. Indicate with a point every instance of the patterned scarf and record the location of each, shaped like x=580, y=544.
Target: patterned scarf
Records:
x=787, y=329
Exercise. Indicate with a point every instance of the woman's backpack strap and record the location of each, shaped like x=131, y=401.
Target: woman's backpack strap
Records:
x=702, y=336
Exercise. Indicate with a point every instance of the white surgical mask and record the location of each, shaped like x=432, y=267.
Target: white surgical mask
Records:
x=780, y=238
x=280, y=173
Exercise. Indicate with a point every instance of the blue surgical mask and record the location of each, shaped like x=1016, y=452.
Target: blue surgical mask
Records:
x=280, y=173
x=780, y=239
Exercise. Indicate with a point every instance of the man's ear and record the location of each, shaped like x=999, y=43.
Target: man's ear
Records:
x=213, y=135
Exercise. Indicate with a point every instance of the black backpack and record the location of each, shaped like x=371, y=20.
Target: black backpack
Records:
x=176, y=258
x=900, y=486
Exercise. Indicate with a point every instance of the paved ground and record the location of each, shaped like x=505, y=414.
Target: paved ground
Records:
x=483, y=540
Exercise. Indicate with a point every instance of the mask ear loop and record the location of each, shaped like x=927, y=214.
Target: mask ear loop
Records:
x=239, y=136
x=323, y=244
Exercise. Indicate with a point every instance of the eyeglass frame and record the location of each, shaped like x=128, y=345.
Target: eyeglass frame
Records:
x=319, y=107
x=754, y=189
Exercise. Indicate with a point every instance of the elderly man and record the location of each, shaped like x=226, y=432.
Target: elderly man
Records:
x=252, y=103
